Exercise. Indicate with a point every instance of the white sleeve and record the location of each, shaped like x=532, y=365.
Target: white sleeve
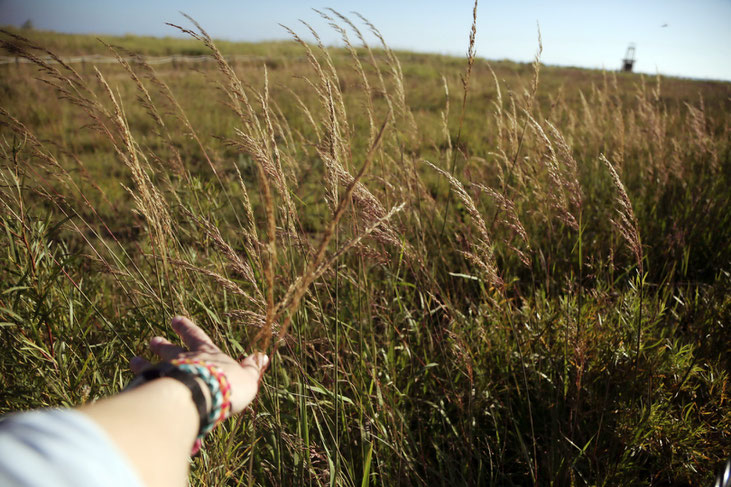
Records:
x=60, y=448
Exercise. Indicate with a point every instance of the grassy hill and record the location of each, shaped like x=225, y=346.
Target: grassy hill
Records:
x=530, y=283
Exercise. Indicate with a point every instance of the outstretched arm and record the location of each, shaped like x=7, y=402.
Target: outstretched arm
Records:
x=155, y=424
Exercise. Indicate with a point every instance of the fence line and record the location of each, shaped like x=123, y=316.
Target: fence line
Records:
x=100, y=59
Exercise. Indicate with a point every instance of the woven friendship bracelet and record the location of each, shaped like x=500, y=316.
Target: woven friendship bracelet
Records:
x=198, y=369
x=220, y=408
x=218, y=385
x=186, y=371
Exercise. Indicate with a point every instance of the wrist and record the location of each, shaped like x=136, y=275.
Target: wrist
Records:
x=206, y=392
x=198, y=392
x=207, y=386
x=218, y=387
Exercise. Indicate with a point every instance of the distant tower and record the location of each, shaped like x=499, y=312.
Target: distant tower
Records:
x=629, y=59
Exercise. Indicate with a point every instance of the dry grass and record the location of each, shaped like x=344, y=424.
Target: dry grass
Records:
x=441, y=291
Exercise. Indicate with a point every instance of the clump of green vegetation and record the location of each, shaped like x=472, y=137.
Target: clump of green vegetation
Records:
x=492, y=274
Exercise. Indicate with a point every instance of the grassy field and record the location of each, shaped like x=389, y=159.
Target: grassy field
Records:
x=465, y=273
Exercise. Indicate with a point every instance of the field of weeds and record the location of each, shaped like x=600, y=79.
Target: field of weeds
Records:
x=464, y=273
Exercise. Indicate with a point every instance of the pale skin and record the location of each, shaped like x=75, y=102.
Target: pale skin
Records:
x=155, y=424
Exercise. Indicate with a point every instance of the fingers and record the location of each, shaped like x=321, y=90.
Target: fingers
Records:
x=165, y=349
x=195, y=338
x=245, y=381
x=256, y=362
x=191, y=334
x=243, y=375
x=138, y=364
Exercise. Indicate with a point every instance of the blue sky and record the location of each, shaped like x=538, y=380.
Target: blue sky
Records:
x=695, y=42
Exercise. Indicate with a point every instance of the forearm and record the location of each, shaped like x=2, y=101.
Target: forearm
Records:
x=155, y=426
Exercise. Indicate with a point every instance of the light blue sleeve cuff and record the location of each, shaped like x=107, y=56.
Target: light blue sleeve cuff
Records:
x=59, y=448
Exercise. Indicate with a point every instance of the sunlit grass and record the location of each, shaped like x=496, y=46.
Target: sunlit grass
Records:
x=510, y=333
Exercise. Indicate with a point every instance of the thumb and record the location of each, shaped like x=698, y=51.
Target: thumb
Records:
x=258, y=361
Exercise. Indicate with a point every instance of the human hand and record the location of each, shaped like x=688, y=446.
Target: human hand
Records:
x=243, y=376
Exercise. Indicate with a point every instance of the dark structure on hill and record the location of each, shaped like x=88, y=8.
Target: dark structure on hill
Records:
x=629, y=59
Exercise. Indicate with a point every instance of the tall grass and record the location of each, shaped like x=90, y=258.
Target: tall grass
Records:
x=549, y=311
